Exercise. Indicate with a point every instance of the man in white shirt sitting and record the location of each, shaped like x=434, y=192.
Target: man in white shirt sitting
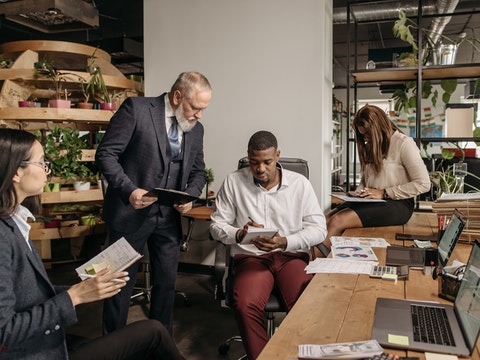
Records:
x=266, y=195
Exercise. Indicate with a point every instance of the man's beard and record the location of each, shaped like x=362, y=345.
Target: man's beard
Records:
x=183, y=122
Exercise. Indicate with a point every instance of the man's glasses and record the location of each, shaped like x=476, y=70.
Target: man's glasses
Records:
x=45, y=164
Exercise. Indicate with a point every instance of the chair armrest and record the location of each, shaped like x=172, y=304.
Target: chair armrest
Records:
x=222, y=255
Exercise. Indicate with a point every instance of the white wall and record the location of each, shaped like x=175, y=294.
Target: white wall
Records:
x=270, y=66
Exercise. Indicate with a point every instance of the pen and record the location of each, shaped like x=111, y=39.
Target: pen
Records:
x=88, y=276
x=251, y=219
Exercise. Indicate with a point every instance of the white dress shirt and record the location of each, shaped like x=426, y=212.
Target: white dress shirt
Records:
x=291, y=207
x=20, y=218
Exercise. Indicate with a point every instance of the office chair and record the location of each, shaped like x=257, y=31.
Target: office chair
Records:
x=223, y=268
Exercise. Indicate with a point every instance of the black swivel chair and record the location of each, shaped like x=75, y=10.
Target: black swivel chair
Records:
x=224, y=262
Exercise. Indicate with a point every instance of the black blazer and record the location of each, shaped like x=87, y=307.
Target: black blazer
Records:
x=133, y=154
x=33, y=313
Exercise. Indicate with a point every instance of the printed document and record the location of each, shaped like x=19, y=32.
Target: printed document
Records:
x=360, y=241
x=117, y=257
x=339, y=266
x=352, y=350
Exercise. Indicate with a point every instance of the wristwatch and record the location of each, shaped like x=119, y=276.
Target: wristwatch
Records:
x=385, y=195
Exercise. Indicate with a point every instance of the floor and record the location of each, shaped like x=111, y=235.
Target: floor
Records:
x=199, y=328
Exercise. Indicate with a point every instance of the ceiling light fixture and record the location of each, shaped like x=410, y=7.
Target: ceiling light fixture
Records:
x=52, y=16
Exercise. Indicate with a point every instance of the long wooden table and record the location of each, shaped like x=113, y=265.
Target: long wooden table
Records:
x=340, y=307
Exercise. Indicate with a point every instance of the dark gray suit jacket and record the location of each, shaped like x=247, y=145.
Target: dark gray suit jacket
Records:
x=33, y=312
x=133, y=154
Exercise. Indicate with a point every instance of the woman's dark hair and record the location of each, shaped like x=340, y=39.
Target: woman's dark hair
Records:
x=15, y=147
x=380, y=129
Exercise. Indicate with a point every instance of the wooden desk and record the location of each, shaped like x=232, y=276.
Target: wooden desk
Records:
x=340, y=307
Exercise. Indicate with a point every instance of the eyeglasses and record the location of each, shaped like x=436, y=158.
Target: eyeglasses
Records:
x=45, y=164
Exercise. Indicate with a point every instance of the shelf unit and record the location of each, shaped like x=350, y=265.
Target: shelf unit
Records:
x=337, y=146
x=20, y=78
x=398, y=75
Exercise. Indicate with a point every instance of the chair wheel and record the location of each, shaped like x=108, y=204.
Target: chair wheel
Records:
x=223, y=349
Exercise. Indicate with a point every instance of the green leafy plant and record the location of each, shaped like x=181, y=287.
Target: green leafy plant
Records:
x=443, y=178
x=210, y=175
x=406, y=99
x=58, y=78
x=403, y=27
x=63, y=147
x=85, y=89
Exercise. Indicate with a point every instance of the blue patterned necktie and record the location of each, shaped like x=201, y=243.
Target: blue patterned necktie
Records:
x=173, y=138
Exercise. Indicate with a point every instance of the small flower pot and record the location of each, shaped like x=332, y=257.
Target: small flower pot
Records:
x=81, y=185
x=108, y=106
x=52, y=224
x=52, y=187
x=88, y=220
x=85, y=105
x=27, y=104
x=59, y=103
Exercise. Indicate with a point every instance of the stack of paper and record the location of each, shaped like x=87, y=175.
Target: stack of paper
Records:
x=468, y=204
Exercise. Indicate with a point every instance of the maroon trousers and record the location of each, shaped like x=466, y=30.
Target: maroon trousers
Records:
x=255, y=277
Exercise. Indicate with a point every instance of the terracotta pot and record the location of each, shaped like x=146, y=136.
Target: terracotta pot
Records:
x=85, y=105
x=108, y=106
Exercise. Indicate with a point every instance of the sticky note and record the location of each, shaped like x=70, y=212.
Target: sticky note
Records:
x=434, y=356
x=397, y=339
x=390, y=277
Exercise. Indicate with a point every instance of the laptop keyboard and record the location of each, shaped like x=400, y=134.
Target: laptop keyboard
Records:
x=430, y=325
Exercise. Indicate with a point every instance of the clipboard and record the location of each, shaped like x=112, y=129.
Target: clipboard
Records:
x=171, y=196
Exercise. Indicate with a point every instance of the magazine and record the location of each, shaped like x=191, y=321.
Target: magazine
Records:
x=352, y=350
x=117, y=257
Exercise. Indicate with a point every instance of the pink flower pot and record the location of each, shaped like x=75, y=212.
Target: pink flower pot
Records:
x=26, y=104
x=108, y=106
x=58, y=103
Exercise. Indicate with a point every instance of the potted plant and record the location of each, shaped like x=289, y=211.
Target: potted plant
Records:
x=63, y=147
x=86, y=92
x=58, y=79
x=449, y=178
x=210, y=179
x=97, y=86
x=24, y=98
x=433, y=52
x=437, y=46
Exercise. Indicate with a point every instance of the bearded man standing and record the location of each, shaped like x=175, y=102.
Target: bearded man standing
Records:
x=152, y=142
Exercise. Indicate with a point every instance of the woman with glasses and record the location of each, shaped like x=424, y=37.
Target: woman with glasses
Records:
x=392, y=170
x=34, y=314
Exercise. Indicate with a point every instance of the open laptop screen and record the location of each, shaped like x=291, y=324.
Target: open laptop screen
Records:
x=450, y=237
x=467, y=302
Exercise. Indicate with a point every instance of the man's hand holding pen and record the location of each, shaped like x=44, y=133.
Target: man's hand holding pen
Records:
x=263, y=243
x=242, y=232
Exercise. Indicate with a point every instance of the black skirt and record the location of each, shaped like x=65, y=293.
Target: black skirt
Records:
x=391, y=212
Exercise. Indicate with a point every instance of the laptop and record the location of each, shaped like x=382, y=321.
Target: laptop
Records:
x=397, y=322
x=415, y=257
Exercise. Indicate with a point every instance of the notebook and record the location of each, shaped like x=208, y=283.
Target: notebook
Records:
x=415, y=257
x=396, y=320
